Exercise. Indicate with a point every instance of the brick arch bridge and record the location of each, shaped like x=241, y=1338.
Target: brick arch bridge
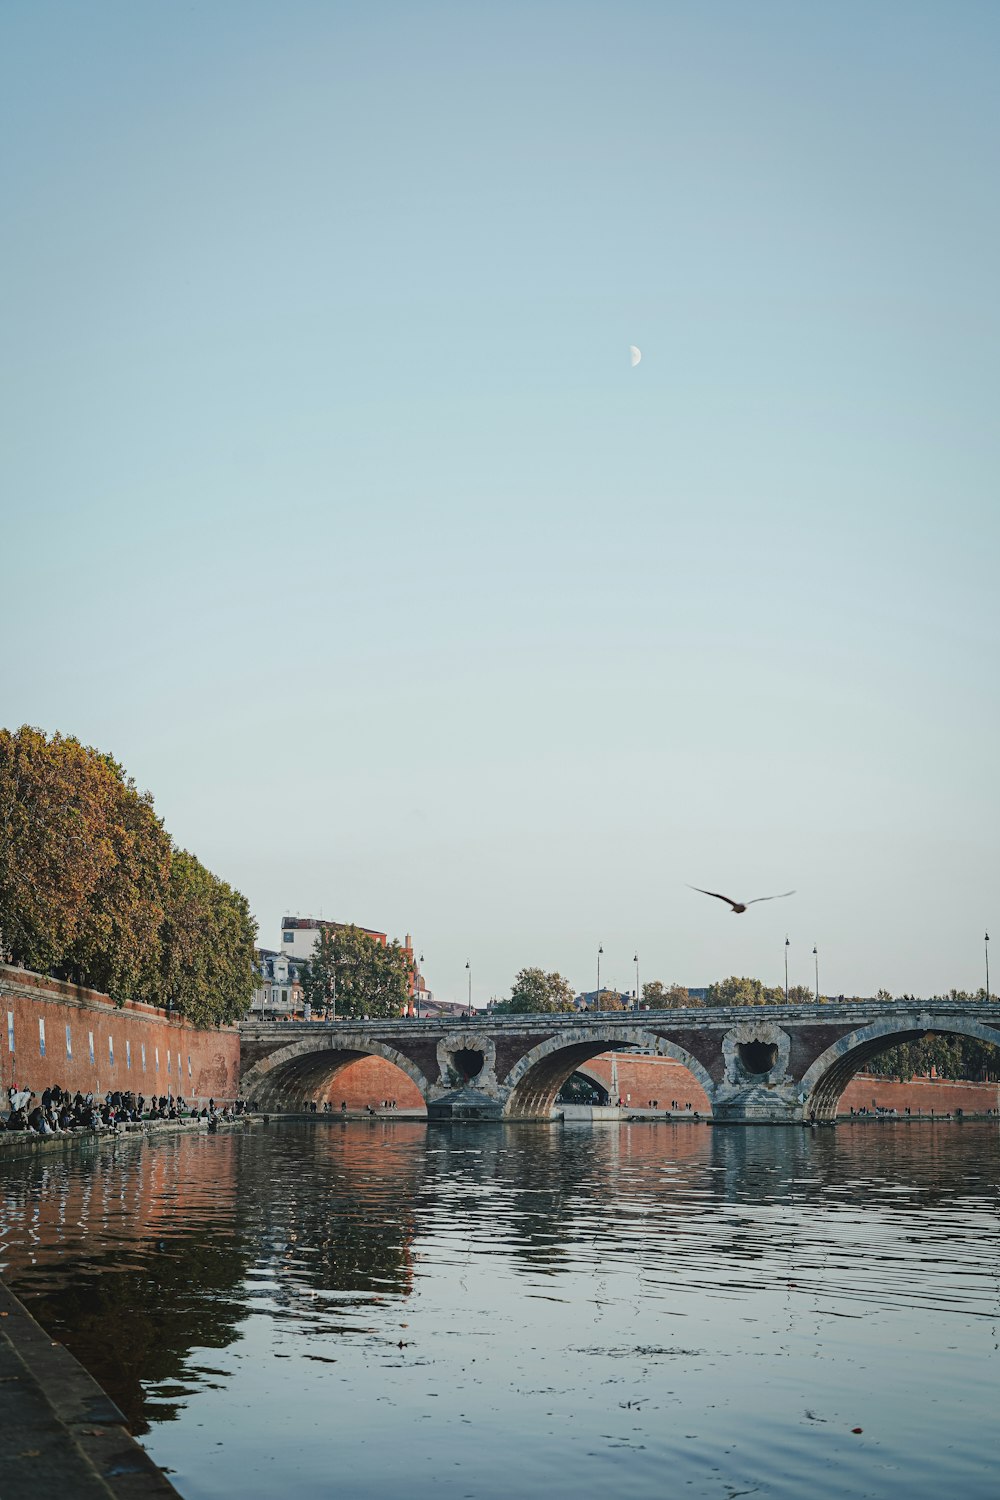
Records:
x=771, y=1063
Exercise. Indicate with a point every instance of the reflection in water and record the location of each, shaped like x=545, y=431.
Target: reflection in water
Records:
x=477, y=1310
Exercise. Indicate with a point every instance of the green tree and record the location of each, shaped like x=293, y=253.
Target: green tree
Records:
x=659, y=996
x=355, y=974
x=208, y=945
x=535, y=992
x=739, y=991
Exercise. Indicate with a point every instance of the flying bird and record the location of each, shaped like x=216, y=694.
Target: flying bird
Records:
x=739, y=906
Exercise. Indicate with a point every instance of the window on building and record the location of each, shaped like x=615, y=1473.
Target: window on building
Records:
x=111, y=1050
x=190, y=1074
x=10, y=1031
x=90, y=1040
x=142, y=1051
x=41, y=1037
x=69, y=1041
x=157, y=1051
x=128, y=1053
x=168, y=1061
x=289, y=937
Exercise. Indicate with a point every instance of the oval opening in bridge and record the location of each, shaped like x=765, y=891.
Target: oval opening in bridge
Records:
x=758, y=1057
x=468, y=1063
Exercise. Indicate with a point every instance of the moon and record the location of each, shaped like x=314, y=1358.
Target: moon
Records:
x=634, y=355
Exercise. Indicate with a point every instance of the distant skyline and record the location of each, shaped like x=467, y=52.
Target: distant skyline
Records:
x=334, y=508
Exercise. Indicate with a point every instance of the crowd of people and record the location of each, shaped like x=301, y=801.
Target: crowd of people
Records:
x=57, y=1111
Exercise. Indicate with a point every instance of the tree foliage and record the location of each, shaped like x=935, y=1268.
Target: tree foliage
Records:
x=741, y=990
x=92, y=891
x=659, y=996
x=207, y=958
x=354, y=973
x=535, y=992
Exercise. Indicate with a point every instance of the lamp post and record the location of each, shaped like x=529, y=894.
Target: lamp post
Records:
x=786, y=970
x=421, y=963
x=816, y=957
x=987, y=968
x=600, y=950
x=469, y=967
x=635, y=960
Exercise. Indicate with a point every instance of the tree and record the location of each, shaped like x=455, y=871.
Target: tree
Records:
x=658, y=996
x=800, y=995
x=208, y=945
x=353, y=974
x=535, y=992
x=91, y=889
x=84, y=863
x=742, y=991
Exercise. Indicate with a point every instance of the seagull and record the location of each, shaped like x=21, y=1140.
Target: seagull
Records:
x=740, y=906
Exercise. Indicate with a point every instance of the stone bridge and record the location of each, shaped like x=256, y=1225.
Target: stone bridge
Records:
x=769, y=1064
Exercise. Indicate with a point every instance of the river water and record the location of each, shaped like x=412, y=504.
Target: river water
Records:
x=376, y=1309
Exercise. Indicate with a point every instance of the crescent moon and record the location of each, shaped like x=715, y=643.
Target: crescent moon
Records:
x=634, y=355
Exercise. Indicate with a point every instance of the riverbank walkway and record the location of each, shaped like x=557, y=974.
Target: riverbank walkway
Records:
x=59, y=1433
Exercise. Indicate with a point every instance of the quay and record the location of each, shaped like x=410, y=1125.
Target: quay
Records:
x=59, y=1433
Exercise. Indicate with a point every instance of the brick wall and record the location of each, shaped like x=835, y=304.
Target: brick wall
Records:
x=641, y=1079
x=920, y=1095
x=661, y=1078
x=134, y=1047
x=369, y=1081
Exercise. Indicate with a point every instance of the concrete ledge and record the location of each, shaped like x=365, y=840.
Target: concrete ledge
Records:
x=59, y=1433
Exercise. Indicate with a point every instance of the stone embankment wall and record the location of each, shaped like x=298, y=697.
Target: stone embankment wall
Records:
x=52, y=1032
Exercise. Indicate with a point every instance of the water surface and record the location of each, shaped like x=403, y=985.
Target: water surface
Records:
x=484, y=1311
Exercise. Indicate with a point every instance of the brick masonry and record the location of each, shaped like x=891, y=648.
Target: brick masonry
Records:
x=135, y=1046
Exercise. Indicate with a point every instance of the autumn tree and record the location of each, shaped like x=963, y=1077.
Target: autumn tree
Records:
x=536, y=992
x=355, y=974
x=92, y=891
x=84, y=863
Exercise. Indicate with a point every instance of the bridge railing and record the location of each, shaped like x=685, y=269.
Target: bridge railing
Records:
x=863, y=1012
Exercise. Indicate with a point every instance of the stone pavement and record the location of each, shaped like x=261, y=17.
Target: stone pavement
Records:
x=59, y=1433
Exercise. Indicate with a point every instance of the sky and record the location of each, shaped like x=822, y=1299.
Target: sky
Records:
x=334, y=509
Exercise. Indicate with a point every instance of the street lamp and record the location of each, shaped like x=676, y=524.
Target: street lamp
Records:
x=987, y=968
x=420, y=960
x=786, y=970
x=599, y=952
x=635, y=960
x=469, y=967
x=816, y=957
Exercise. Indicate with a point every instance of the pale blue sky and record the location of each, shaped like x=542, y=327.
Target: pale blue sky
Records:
x=332, y=506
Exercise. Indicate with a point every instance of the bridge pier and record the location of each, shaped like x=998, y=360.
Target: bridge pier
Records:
x=466, y=1103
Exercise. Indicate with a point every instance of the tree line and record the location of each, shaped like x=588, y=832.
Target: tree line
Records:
x=93, y=889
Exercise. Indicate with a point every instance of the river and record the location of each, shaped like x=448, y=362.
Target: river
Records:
x=484, y=1311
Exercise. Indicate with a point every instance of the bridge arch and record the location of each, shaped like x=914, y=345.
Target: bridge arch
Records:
x=303, y=1068
x=534, y=1082
x=824, y=1082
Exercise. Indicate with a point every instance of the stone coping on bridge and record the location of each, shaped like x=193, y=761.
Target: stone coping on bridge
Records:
x=836, y=1011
